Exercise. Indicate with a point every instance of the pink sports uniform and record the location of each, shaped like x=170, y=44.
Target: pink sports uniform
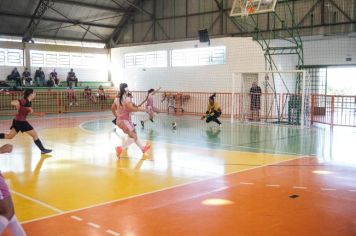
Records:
x=123, y=115
x=149, y=105
x=4, y=189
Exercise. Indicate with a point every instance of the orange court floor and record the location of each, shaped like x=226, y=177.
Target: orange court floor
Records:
x=242, y=179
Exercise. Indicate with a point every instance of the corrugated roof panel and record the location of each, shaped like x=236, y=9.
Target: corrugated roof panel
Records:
x=18, y=6
x=67, y=12
x=11, y=25
x=77, y=13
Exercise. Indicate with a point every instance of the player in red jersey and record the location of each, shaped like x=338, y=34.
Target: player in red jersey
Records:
x=21, y=124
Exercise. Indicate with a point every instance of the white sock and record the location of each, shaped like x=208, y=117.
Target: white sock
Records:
x=127, y=143
x=15, y=227
x=3, y=224
x=139, y=143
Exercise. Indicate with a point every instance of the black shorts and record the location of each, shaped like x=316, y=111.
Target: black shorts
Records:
x=22, y=126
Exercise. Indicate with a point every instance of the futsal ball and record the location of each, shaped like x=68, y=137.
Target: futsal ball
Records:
x=174, y=125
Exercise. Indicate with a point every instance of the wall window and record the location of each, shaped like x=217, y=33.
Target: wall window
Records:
x=199, y=56
x=11, y=57
x=146, y=59
x=63, y=59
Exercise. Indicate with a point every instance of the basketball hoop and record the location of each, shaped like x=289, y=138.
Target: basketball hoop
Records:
x=250, y=7
x=250, y=10
x=244, y=8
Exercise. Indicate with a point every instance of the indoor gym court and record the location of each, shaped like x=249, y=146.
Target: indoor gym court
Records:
x=281, y=162
x=214, y=185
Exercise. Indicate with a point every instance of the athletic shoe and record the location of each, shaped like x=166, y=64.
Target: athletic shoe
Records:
x=118, y=151
x=46, y=151
x=114, y=121
x=142, y=124
x=70, y=104
x=151, y=120
x=220, y=126
x=146, y=148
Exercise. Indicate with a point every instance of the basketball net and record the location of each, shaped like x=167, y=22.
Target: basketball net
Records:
x=247, y=7
x=250, y=8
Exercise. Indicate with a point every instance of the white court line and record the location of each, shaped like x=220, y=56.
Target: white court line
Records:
x=76, y=218
x=245, y=183
x=264, y=151
x=273, y=185
x=38, y=202
x=157, y=191
x=352, y=190
x=299, y=187
x=109, y=231
x=328, y=189
x=94, y=225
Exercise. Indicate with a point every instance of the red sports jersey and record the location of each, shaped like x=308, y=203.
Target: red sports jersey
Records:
x=24, y=110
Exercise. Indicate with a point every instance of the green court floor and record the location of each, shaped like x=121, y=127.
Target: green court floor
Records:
x=323, y=142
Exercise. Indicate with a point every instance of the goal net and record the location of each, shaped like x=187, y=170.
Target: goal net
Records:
x=278, y=97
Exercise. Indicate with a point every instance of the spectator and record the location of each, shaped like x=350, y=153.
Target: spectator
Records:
x=88, y=95
x=15, y=76
x=72, y=78
x=71, y=95
x=54, y=76
x=255, y=106
x=26, y=78
x=101, y=94
x=40, y=77
x=50, y=82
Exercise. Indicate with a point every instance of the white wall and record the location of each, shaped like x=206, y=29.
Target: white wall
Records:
x=243, y=54
x=329, y=50
x=83, y=74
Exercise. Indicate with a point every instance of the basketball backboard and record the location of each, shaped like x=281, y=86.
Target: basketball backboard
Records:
x=250, y=7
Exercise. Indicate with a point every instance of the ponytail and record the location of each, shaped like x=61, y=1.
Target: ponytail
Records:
x=122, y=92
x=212, y=97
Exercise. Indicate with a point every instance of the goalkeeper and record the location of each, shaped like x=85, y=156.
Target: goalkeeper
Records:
x=213, y=112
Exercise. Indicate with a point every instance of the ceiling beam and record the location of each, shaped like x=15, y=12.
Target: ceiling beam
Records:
x=74, y=23
x=26, y=16
x=35, y=20
x=112, y=41
x=56, y=38
x=91, y=5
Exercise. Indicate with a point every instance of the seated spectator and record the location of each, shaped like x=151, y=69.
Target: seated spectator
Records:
x=101, y=93
x=54, y=76
x=15, y=76
x=50, y=82
x=71, y=77
x=88, y=94
x=71, y=95
x=40, y=77
x=26, y=78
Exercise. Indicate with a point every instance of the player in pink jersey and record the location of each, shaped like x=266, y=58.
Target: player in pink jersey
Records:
x=8, y=219
x=20, y=123
x=122, y=109
x=150, y=109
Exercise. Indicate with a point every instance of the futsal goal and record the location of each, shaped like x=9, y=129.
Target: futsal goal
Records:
x=276, y=97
